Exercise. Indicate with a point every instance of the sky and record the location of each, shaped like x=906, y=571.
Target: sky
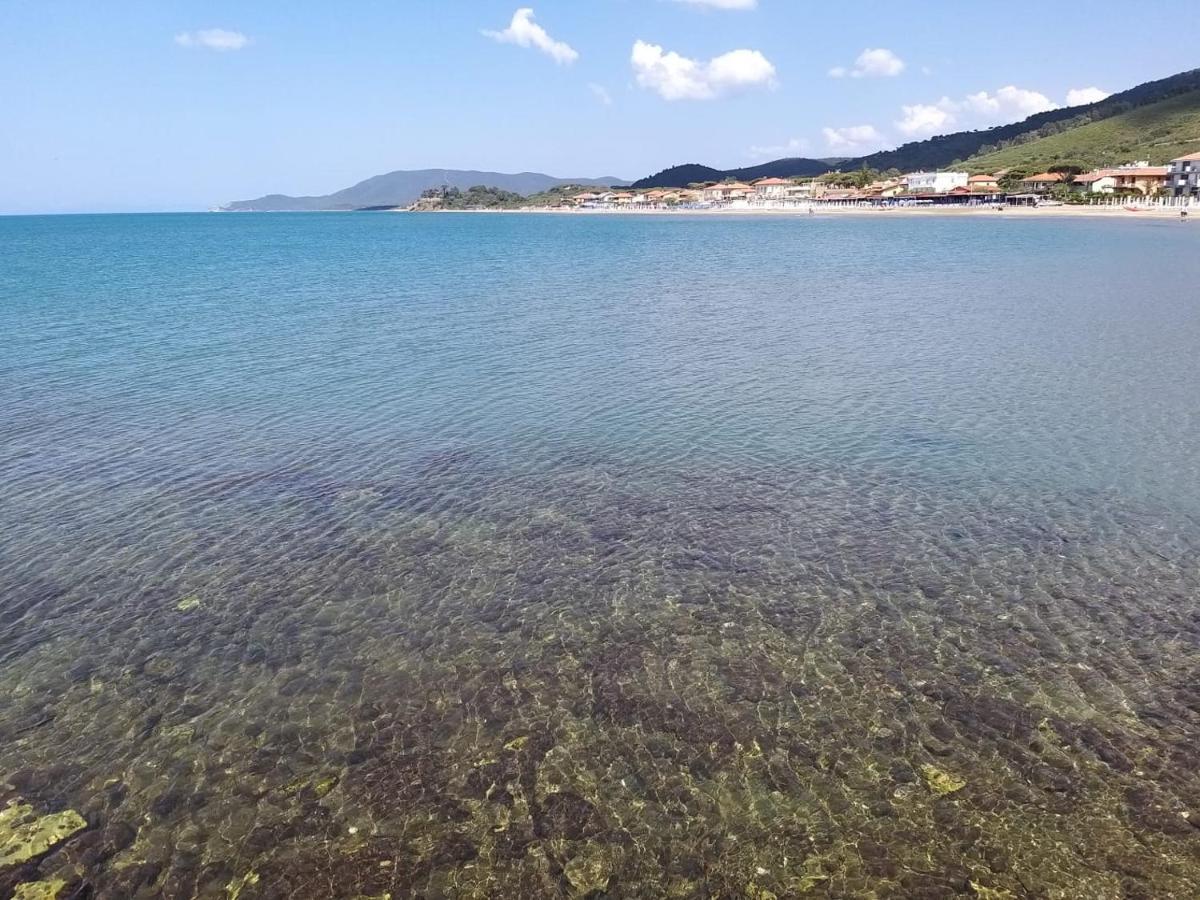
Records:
x=187, y=104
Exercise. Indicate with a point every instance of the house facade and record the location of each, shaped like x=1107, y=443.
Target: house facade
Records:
x=1183, y=176
x=1140, y=178
x=936, y=182
x=1134, y=178
x=728, y=191
x=772, y=188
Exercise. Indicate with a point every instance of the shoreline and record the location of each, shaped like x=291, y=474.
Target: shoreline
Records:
x=1091, y=212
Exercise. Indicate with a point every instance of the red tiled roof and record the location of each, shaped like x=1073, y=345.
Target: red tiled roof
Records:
x=1191, y=157
x=1144, y=171
x=981, y=178
x=1044, y=178
x=771, y=181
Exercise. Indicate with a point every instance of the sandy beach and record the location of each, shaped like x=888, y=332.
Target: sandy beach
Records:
x=1065, y=211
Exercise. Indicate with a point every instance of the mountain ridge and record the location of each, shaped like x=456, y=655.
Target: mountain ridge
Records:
x=404, y=186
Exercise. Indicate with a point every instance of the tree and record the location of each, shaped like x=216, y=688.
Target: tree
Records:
x=864, y=176
x=1011, y=180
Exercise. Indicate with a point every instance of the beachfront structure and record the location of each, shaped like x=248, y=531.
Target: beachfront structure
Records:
x=889, y=187
x=732, y=190
x=1043, y=183
x=1183, y=176
x=1140, y=177
x=1134, y=178
x=772, y=188
x=983, y=183
x=936, y=182
x=1098, y=182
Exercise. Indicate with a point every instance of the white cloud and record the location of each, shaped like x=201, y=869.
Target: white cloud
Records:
x=676, y=77
x=212, y=39
x=853, y=138
x=871, y=63
x=794, y=147
x=1009, y=104
x=927, y=119
x=979, y=110
x=524, y=32
x=723, y=4
x=1084, y=96
x=600, y=92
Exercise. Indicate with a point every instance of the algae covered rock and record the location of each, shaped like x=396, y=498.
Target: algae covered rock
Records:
x=941, y=783
x=25, y=835
x=987, y=893
x=234, y=889
x=589, y=871
x=39, y=890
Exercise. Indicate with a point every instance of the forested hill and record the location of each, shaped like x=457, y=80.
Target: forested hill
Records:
x=944, y=150
x=940, y=152
x=692, y=173
x=1156, y=133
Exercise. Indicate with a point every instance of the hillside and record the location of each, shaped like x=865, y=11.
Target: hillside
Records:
x=1159, y=133
x=693, y=173
x=942, y=151
x=403, y=188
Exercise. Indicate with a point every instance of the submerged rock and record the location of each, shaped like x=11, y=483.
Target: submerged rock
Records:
x=25, y=835
x=589, y=871
x=940, y=782
x=187, y=604
x=987, y=893
x=234, y=889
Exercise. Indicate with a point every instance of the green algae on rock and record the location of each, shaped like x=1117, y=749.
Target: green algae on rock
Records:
x=940, y=782
x=39, y=890
x=234, y=889
x=25, y=835
x=987, y=893
x=590, y=870
x=187, y=604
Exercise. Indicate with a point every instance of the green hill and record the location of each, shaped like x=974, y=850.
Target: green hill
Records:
x=1158, y=132
x=1146, y=137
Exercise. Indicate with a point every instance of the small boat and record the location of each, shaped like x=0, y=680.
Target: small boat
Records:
x=1133, y=209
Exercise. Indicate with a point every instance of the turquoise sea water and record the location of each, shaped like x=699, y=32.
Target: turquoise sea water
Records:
x=503, y=555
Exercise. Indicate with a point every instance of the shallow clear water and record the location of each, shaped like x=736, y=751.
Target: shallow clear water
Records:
x=474, y=556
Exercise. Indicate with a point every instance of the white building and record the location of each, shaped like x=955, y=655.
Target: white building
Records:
x=936, y=182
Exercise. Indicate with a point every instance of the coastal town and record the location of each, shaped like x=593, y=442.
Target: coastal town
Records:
x=1136, y=184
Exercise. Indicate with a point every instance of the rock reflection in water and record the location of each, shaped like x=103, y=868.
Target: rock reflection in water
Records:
x=485, y=683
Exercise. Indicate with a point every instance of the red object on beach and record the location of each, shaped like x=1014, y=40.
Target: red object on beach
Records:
x=1133, y=209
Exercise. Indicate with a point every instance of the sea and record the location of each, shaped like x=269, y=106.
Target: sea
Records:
x=371, y=555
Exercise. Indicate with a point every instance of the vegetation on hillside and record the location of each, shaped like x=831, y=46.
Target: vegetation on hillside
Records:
x=486, y=197
x=692, y=173
x=477, y=197
x=1158, y=133
x=946, y=150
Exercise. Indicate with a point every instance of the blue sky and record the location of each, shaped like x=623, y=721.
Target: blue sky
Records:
x=171, y=104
